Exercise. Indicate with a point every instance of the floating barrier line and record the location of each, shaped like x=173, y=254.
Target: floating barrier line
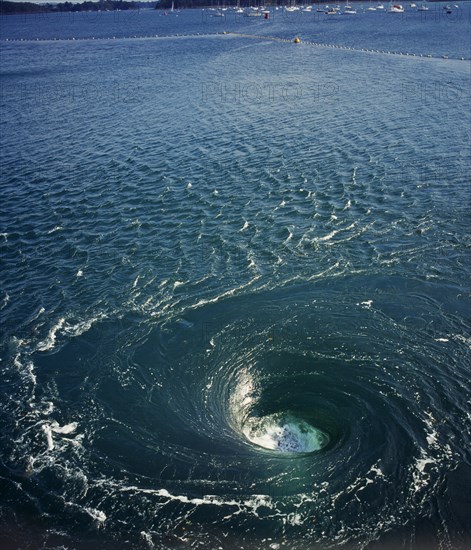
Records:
x=237, y=34
x=103, y=38
x=340, y=47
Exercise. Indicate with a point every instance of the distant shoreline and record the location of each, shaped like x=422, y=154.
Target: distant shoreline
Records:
x=12, y=8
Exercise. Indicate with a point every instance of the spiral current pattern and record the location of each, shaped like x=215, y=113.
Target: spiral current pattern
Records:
x=313, y=413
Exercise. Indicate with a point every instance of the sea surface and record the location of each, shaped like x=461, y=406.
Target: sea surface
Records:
x=235, y=301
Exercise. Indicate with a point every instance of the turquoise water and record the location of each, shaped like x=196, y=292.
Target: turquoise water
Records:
x=235, y=281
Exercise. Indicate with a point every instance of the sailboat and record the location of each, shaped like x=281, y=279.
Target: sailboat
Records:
x=348, y=10
x=334, y=11
x=253, y=12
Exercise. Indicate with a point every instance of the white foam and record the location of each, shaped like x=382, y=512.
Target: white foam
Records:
x=55, y=229
x=376, y=470
x=76, y=441
x=464, y=339
x=97, y=515
x=248, y=505
x=321, y=273
x=422, y=462
x=334, y=232
x=26, y=370
x=243, y=395
x=148, y=538
x=5, y=300
x=206, y=499
x=419, y=475
x=30, y=372
x=66, y=429
x=289, y=237
x=354, y=175
x=367, y=482
x=230, y=292
x=38, y=314
x=252, y=263
x=82, y=326
x=47, y=430
x=295, y=519
x=284, y=434
x=50, y=340
x=328, y=236
x=49, y=408
x=432, y=434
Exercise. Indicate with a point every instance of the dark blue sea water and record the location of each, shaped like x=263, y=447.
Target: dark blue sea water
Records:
x=235, y=303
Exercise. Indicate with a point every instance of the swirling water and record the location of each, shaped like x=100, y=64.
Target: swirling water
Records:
x=235, y=281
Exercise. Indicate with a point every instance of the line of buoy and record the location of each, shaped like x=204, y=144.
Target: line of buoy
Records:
x=296, y=40
x=134, y=37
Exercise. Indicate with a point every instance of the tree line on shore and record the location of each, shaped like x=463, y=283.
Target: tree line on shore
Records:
x=7, y=7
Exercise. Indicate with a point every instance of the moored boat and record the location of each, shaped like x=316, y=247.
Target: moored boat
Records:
x=349, y=10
